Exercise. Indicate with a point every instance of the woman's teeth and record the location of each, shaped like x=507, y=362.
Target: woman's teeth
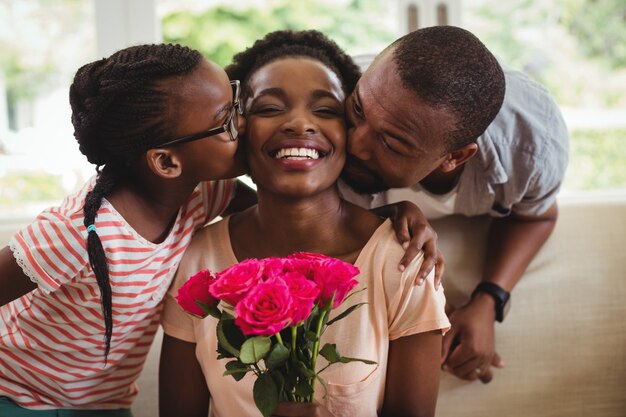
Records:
x=297, y=153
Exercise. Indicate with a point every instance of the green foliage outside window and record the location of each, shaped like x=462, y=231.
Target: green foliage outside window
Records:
x=221, y=31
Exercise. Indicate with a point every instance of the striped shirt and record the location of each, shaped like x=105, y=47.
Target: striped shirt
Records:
x=52, y=339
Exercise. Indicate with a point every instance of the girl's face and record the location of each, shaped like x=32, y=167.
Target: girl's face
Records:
x=207, y=103
x=295, y=130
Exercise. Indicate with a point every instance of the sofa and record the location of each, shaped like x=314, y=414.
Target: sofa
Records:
x=564, y=339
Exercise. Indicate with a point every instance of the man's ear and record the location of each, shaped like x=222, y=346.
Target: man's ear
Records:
x=458, y=157
x=164, y=163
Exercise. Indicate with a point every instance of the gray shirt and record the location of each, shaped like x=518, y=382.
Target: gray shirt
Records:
x=520, y=163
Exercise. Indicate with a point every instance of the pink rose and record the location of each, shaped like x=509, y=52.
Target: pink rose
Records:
x=303, y=292
x=234, y=283
x=304, y=263
x=273, y=267
x=197, y=289
x=334, y=276
x=266, y=310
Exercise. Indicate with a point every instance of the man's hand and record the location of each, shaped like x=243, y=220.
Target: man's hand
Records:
x=287, y=409
x=415, y=234
x=469, y=347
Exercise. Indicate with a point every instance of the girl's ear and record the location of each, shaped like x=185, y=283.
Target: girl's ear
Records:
x=164, y=163
x=458, y=157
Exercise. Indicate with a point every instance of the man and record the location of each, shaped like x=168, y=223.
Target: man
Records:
x=431, y=123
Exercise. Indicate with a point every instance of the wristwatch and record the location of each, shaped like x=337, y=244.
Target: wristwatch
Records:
x=499, y=294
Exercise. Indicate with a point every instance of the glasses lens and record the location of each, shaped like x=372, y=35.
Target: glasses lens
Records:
x=236, y=104
x=232, y=124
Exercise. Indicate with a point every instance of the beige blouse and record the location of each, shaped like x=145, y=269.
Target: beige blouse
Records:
x=396, y=308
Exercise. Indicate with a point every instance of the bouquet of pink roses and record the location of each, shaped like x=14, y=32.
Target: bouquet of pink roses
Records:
x=273, y=314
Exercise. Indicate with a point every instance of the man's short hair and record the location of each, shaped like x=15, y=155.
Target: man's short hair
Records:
x=449, y=67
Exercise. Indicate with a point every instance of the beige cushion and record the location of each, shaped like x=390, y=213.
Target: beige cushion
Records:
x=564, y=340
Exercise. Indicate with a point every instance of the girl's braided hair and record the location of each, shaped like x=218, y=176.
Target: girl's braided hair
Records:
x=286, y=43
x=120, y=109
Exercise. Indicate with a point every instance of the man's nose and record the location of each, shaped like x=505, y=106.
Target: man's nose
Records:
x=359, y=145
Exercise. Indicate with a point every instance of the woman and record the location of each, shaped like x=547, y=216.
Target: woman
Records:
x=295, y=84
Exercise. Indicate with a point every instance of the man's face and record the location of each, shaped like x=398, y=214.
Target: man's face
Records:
x=394, y=138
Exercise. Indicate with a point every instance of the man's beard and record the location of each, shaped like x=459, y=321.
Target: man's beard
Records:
x=361, y=179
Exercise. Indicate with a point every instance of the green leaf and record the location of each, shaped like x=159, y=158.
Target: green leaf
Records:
x=265, y=394
x=226, y=336
x=345, y=359
x=311, y=336
x=354, y=293
x=345, y=313
x=279, y=379
x=255, y=349
x=304, y=388
x=330, y=353
x=303, y=371
x=210, y=310
x=237, y=369
x=278, y=356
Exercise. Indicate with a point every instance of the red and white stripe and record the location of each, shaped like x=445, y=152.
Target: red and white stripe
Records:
x=52, y=339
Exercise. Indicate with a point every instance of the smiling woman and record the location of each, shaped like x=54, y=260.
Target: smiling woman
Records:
x=295, y=84
x=296, y=126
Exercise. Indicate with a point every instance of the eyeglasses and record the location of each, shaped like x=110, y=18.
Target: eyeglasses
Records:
x=230, y=125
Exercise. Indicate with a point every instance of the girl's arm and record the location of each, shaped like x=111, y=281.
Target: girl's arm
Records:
x=13, y=282
x=182, y=387
x=413, y=375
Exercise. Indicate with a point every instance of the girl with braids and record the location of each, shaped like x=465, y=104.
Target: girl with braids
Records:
x=295, y=84
x=81, y=287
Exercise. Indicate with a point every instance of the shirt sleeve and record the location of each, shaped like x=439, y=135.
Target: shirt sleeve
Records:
x=413, y=309
x=51, y=251
x=216, y=195
x=550, y=164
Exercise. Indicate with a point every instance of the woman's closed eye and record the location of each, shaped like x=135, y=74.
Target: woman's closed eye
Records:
x=267, y=110
x=328, y=111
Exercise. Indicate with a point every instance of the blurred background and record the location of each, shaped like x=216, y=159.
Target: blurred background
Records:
x=577, y=48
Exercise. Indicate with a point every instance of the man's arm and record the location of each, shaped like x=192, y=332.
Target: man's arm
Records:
x=513, y=242
x=415, y=234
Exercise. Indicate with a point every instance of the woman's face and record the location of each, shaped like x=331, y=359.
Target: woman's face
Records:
x=295, y=129
x=207, y=101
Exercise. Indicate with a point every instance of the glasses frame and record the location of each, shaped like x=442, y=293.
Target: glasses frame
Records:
x=230, y=124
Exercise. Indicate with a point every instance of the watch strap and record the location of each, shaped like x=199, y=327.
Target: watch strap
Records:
x=499, y=294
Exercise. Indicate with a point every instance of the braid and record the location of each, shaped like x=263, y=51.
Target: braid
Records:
x=121, y=107
x=285, y=43
x=97, y=258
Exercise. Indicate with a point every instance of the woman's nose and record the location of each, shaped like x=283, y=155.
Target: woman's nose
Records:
x=299, y=125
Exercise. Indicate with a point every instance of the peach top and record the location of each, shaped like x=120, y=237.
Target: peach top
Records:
x=396, y=308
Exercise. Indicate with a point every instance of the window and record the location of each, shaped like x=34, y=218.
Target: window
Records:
x=573, y=47
x=41, y=46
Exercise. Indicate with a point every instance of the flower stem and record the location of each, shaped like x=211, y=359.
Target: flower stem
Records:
x=316, y=346
x=279, y=338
